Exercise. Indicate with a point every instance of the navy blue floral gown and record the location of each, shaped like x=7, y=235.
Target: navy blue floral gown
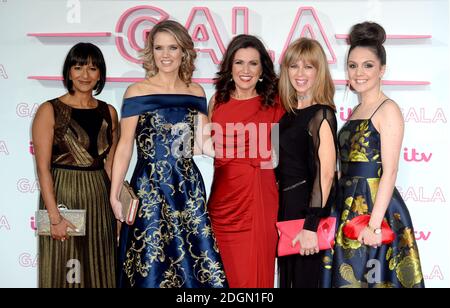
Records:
x=170, y=244
x=353, y=265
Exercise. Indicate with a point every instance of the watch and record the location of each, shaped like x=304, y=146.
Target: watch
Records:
x=374, y=230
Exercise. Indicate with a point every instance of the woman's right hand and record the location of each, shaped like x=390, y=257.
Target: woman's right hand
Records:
x=117, y=209
x=59, y=231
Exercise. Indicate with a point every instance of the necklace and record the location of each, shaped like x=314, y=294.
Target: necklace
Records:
x=302, y=97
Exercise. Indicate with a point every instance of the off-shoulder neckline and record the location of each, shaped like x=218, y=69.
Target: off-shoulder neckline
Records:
x=166, y=94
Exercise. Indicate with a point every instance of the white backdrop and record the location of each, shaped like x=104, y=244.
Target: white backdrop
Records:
x=36, y=35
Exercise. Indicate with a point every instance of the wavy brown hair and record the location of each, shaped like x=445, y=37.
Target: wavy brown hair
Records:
x=183, y=39
x=267, y=88
x=310, y=51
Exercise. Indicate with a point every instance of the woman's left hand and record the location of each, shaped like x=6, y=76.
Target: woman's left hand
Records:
x=309, y=243
x=369, y=238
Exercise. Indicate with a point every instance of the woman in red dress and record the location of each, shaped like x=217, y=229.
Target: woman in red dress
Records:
x=244, y=200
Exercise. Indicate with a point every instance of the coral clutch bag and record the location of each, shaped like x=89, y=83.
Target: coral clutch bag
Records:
x=289, y=229
x=353, y=228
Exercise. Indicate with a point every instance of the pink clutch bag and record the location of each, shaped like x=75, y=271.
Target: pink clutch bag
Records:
x=289, y=229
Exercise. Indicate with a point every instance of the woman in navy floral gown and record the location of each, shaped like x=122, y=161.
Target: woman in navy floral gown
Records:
x=370, y=144
x=171, y=243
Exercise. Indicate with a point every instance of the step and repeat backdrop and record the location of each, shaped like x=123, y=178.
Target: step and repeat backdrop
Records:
x=36, y=36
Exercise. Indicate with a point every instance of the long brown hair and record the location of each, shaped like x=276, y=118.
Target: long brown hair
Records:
x=310, y=51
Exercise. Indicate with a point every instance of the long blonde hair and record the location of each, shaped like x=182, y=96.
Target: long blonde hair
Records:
x=307, y=50
x=183, y=39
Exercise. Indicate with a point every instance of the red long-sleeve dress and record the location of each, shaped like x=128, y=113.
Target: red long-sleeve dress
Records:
x=243, y=205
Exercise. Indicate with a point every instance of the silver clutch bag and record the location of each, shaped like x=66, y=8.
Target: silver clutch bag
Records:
x=76, y=217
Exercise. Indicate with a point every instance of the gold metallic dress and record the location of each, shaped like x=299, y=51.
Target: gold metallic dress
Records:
x=82, y=139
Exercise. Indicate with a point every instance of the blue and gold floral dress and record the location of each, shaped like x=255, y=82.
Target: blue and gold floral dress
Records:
x=353, y=265
x=171, y=243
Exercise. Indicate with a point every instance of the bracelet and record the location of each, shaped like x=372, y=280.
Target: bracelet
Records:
x=60, y=221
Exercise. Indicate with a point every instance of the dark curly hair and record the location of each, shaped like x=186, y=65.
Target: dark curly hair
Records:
x=370, y=35
x=267, y=89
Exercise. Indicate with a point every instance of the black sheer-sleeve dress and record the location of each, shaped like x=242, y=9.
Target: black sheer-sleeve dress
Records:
x=300, y=188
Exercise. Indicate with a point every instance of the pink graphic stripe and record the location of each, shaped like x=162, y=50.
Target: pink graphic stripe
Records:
x=116, y=79
x=392, y=37
x=391, y=83
x=210, y=80
x=244, y=10
x=73, y=34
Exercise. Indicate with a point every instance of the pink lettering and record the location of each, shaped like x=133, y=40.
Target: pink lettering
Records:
x=3, y=72
x=307, y=23
x=236, y=12
x=418, y=195
x=195, y=27
x=25, y=186
x=439, y=116
x=436, y=273
x=415, y=156
x=200, y=34
x=419, y=116
x=3, y=148
x=152, y=16
x=31, y=148
x=27, y=260
x=422, y=236
x=24, y=110
x=33, y=223
x=4, y=223
x=345, y=116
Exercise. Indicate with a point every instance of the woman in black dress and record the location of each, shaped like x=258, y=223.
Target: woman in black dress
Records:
x=307, y=157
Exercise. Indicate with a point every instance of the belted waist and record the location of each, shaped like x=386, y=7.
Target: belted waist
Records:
x=361, y=169
x=254, y=163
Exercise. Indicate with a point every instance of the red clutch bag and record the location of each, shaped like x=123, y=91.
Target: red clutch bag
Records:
x=289, y=229
x=356, y=225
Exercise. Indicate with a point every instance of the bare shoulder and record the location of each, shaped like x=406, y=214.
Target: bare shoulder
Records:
x=389, y=109
x=137, y=89
x=212, y=102
x=196, y=89
x=45, y=109
x=44, y=115
x=389, y=117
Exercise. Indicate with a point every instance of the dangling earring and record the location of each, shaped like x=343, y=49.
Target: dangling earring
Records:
x=260, y=79
x=347, y=89
x=231, y=79
x=380, y=89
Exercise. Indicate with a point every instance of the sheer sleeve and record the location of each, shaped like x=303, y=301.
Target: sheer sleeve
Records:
x=320, y=200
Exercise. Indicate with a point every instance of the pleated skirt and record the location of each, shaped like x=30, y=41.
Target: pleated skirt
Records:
x=81, y=261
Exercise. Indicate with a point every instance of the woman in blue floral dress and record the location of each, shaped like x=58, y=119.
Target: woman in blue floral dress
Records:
x=370, y=144
x=170, y=244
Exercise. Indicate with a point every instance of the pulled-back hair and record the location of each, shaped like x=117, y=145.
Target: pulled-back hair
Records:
x=370, y=35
